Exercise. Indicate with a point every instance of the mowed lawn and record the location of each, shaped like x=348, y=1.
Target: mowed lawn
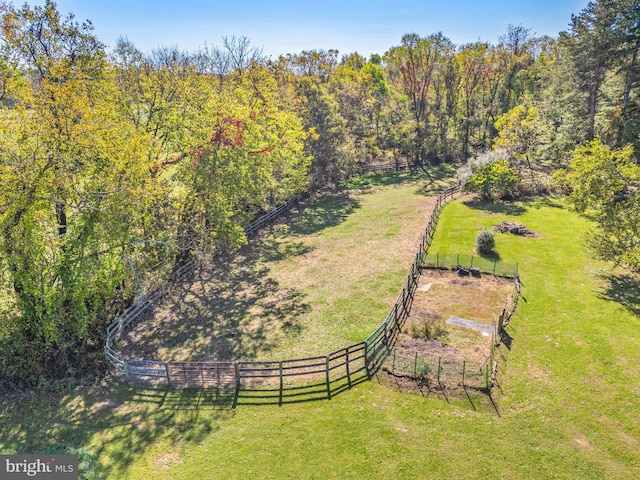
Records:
x=568, y=402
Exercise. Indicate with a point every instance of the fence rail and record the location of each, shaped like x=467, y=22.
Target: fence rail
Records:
x=268, y=382
x=453, y=261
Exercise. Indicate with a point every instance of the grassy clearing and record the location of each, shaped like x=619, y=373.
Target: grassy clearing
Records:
x=568, y=408
x=320, y=280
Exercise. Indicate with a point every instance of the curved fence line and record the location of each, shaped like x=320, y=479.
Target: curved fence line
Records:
x=276, y=381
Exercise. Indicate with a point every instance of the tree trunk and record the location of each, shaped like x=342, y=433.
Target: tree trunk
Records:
x=593, y=99
x=61, y=217
x=627, y=92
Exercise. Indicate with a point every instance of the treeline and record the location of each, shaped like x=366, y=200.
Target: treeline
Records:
x=116, y=166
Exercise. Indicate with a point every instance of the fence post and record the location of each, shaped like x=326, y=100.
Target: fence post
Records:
x=393, y=364
x=126, y=369
x=328, y=381
x=166, y=369
x=281, y=383
x=464, y=367
x=486, y=380
x=366, y=360
x=404, y=304
x=439, y=368
x=348, y=369
x=494, y=267
x=415, y=365
x=236, y=368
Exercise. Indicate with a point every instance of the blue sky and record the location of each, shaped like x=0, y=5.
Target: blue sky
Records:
x=288, y=26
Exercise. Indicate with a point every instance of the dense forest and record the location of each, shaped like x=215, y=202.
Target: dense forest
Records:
x=117, y=166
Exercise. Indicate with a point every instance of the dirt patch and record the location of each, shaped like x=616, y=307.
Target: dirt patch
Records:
x=481, y=299
x=429, y=347
x=167, y=460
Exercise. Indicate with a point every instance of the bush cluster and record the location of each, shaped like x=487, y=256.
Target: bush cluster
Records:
x=485, y=243
x=490, y=175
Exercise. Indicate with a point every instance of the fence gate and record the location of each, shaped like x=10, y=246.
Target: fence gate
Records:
x=201, y=374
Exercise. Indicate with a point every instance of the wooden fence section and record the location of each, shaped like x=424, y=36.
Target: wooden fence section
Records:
x=137, y=368
x=273, y=382
x=282, y=381
x=278, y=211
x=269, y=217
x=383, y=168
x=201, y=374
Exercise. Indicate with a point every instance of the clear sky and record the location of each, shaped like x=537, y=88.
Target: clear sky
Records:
x=290, y=26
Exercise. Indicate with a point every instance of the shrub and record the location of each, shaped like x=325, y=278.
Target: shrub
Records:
x=493, y=181
x=474, y=164
x=485, y=243
x=422, y=369
x=429, y=327
x=490, y=175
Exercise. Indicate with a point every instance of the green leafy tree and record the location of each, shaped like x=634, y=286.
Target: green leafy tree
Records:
x=606, y=182
x=591, y=43
x=472, y=60
x=412, y=71
x=112, y=172
x=489, y=175
x=495, y=180
x=250, y=158
x=69, y=168
x=520, y=133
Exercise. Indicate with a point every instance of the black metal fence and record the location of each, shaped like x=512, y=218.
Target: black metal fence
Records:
x=470, y=263
x=284, y=380
x=438, y=372
x=442, y=372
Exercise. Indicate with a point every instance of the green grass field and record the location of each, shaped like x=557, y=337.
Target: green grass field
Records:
x=568, y=400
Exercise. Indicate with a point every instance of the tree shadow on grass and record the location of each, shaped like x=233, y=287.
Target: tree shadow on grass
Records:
x=327, y=211
x=516, y=207
x=431, y=180
x=367, y=181
x=623, y=288
x=232, y=309
x=505, y=208
x=111, y=428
